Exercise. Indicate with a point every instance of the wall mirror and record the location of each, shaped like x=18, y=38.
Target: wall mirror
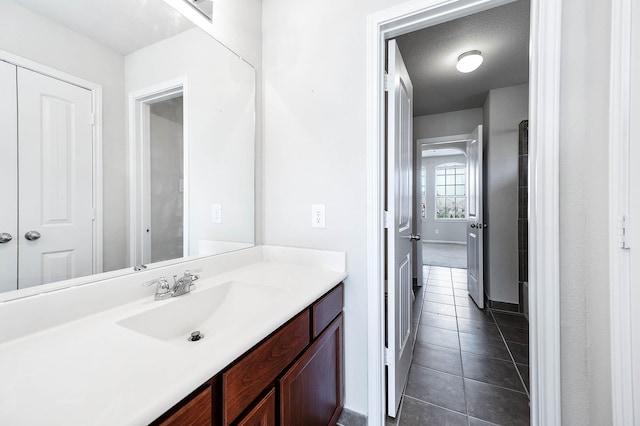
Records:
x=129, y=137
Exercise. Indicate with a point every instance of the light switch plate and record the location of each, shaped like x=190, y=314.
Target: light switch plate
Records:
x=216, y=213
x=317, y=216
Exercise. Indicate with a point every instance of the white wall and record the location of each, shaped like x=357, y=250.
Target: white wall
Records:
x=584, y=273
x=31, y=36
x=505, y=108
x=220, y=100
x=314, y=137
x=440, y=230
x=447, y=124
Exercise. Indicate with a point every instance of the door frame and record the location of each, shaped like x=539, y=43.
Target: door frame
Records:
x=544, y=93
x=96, y=104
x=139, y=102
x=622, y=361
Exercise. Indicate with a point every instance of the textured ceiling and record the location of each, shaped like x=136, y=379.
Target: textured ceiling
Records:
x=501, y=34
x=123, y=25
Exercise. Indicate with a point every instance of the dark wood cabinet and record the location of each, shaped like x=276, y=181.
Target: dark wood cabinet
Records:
x=293, y=377
x=263, y=414
x=194, y=411
x=253, y=373
x=311, y=390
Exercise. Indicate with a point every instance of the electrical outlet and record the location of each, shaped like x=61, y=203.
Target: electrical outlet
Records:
x=216, y=213
x=317, y=216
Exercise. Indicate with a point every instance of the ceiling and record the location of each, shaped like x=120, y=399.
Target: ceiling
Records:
x=501, y=34
x=123, y=25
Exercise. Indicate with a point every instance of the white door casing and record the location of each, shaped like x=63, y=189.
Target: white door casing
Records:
x=55, y=175
x=475, y=224
x=400, y=212
x=544, y=99
x=8, y=177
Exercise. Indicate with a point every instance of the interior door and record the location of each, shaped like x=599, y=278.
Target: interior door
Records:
x=55, y=172
x=475, y=226
x=399, y=237
x=8, y=178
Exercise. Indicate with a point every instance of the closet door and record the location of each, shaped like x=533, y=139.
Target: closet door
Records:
x=56, y=180
x=8, y=178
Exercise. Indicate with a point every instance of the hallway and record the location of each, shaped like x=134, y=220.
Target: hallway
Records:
x=469, y=367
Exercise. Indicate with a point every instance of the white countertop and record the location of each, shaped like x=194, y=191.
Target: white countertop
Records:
x=92, y=371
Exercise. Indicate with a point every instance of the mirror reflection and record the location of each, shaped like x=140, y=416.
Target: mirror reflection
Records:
x=128, y=135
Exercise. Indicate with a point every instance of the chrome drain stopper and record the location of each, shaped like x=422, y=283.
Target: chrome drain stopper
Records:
x=195, y=336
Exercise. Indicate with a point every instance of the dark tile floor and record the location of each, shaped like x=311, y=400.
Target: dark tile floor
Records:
x=470, y=367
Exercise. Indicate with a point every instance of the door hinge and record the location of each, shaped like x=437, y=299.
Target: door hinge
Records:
x=93, y=119
x=385, y=219
x=622, y=232
x=387, y=355
x=386, y=82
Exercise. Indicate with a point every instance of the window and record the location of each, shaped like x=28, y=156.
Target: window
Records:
x=451, y=191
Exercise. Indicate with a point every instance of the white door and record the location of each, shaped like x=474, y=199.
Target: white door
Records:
x=8, y=178
x=399, y=237
x=55, y=173
x=475, y=226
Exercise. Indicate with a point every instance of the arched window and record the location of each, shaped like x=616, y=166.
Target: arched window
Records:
x=451, y=191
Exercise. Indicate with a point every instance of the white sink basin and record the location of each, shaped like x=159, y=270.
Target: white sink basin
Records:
x=208, y=311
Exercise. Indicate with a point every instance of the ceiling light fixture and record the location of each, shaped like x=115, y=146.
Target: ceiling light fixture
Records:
x=469, y=61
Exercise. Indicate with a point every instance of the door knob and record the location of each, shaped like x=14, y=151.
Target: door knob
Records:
x=5, y=238
x=414, y=237
x=473, y=225
x=32, y=235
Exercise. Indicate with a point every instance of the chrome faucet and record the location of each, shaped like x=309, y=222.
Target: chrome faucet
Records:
x=185, y=283
x=180, y=285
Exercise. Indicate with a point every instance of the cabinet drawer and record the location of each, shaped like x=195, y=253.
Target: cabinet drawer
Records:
x=326, y=309
x=195, y=412
x=247, y=379
x=263, y=414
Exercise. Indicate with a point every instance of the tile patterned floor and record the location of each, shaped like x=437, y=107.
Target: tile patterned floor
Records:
x=470, y=367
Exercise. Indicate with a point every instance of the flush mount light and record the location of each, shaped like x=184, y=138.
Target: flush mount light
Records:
x=469, y=61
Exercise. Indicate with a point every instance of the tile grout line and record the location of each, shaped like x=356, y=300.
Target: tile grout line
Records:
x=513, y=361
x=464, y=386
x=436, y=405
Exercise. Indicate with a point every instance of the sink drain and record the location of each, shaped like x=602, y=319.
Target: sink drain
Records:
x=195, y=336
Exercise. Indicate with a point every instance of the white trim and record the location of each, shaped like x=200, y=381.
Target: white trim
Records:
x=544, y=190
x=544, y=207
x=443, y=140
x=462, y=243
x=96, y=100
x=619, y=205
x=138, y=101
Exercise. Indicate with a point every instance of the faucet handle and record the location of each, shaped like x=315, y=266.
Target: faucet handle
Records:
x=163, y=289
x=193, y=273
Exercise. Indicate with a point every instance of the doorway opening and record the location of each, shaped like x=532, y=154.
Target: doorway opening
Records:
x=443, y=201
x=543, y=198
x=159, y=194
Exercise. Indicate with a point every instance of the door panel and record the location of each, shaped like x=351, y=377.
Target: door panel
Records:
x=475, y=226
x=399, y=243
x=8, y=177
x=56, y=179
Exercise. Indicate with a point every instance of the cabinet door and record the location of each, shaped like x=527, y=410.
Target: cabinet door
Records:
x=195, y=412
x=263, y=414
x=312, y=389
x=8, y=177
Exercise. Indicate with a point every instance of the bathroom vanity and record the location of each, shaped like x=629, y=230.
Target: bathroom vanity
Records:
x=271, y=354
x=299, y=365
